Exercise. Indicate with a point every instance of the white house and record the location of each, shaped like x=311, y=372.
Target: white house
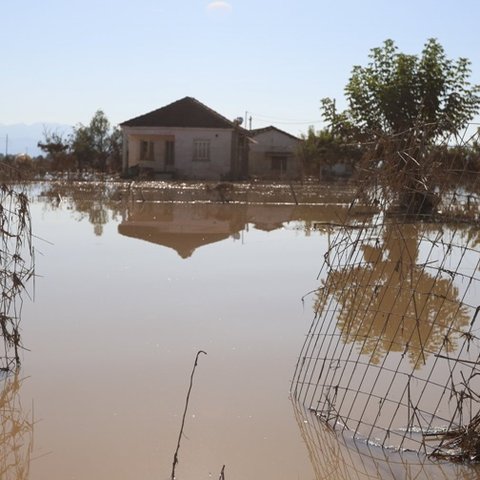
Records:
x=186, y=139
x=273, y=154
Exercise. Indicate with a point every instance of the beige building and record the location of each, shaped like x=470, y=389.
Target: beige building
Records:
x=273, y=154
x=187, y=140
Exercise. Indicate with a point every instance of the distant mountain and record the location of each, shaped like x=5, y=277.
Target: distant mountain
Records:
x=24, y=138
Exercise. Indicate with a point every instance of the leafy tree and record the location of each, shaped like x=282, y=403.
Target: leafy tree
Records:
x=323, y=149
x=403, y=106
x=396, y=92
x=53, y=142
x=308, y=152
x=115, y=150
x=95, y=145
x=81, y=145
x=57, y=147
x=91, y=143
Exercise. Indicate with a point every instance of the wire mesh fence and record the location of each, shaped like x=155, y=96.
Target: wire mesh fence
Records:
x=392, y=354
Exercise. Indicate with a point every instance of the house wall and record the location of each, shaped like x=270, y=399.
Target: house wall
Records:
x=157, y=163
x=269, y=144
x=220, y=149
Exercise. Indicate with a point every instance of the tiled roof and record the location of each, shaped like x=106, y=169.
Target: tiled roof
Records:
x=187, y=112
x=257, y=131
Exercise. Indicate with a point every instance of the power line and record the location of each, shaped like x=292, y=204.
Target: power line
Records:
x=283, y=120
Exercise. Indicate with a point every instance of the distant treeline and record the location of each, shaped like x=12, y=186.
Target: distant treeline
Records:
x=93, y=147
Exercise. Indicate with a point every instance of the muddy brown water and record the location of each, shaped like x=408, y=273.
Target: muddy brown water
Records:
x=126, y=294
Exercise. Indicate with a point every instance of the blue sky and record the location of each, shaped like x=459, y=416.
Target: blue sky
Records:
x=62, y=60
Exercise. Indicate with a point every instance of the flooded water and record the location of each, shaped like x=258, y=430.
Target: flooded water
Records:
x=127, y=293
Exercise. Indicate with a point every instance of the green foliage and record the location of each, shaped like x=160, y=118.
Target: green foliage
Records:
x=53, y=143
x=406, y=110
x=57, y=147
x=96, y=146
x=93, y=145
x=397, y=92
x=338, y=122
x=323, y=149
x=115, y=149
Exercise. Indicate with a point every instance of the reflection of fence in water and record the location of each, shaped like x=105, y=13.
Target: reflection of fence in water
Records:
x=340, y=457
x=16, y=432
x=392, y=354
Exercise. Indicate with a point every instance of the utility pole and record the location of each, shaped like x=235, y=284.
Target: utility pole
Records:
x=6, y=145
x=248, y=121
x=334, y=116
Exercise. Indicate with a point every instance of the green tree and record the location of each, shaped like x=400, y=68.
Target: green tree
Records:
x=115, y=150
x=403, y=106
x=57, y=147
x=396, y=92
x=96, y=145
x=321, y=150
x=308, y=152
x=91, y=143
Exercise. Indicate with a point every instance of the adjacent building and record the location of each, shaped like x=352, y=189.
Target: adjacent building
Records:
x=188, y=140
x=273, y=154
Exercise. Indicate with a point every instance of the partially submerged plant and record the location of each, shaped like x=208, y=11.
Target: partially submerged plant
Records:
x=16, y=269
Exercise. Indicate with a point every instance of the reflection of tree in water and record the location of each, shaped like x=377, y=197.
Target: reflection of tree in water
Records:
x=99, y=202
x=16, y=432
x=386, y=302
x=98, y=217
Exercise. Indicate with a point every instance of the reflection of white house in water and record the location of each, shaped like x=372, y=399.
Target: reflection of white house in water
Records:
x=270, y=217
x=186, y=227
x=183, y=227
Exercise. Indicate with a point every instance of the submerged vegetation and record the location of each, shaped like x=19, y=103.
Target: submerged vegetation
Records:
x=409, y=114
x=392, y=353
x=16, y=269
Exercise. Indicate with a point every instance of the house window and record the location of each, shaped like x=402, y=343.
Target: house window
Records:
x=146, y=151
x=169, y=153
x=201, y=150
x=279, y=163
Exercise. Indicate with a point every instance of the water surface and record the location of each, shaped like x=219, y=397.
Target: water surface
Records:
x=127, y=293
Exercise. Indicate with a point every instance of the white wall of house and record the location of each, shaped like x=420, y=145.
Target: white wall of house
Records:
x=274, y=155
x=217, y=142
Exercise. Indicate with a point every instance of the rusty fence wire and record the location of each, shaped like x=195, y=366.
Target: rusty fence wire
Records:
x=392, y=354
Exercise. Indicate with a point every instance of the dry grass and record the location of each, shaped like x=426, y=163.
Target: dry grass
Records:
x=16, y=269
